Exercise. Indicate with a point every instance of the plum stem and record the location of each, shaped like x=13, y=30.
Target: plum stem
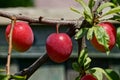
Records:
x=57, y=28
x=13, y=20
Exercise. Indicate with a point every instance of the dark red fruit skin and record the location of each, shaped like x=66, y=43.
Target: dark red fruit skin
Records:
x=88, y=77
x=111, y=31
x=59, y=47
x=22, y=38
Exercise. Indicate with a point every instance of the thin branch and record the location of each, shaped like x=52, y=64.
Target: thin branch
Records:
x=31, y=69
x=10, y=46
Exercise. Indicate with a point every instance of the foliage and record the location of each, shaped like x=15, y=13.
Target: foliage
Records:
x=118, y=38
x=95, y=18
x=82, y=65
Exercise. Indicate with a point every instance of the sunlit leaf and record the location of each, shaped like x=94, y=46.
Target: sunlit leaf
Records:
x=112, y=11
x=96, y=71
x=90, y=33
x=104, y=5
x=112, y=74
x=102, y=37
x=116, y=17
x=4, y=77
x=18, y=77
x=75, y=10
x=81, y=33
x=87, y=63
x=91, y=4
x=87, y=11
x=82, y=57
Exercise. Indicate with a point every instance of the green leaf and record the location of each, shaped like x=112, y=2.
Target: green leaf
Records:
x=82, y=57
x=117, y=2
x=96, y=71
x=112, y=11
x=4, y=77
x=87, y=11
x=81, y=33
x=104, y=5
x=116, y=17
x=77, y=78
x=118, y=38
x=90, y=33
x=91, y=4
x=75, y=10
x=112, y=74
x=87, y=63
x=18, y=77
x=2, y=70
x=109, y=73
x=102, y=37
x=75, y=66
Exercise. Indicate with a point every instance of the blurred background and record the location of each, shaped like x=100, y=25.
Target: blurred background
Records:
x=49, y=9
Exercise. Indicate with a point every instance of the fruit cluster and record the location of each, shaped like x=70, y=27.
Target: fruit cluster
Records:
x=58, y=45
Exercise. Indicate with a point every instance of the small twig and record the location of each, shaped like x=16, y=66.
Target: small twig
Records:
x=57, y=28
x=10, y=47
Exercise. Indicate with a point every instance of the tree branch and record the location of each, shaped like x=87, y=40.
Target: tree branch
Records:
x=40, y=20
x=31, y=69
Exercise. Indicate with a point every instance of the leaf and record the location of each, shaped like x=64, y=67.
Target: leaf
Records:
x=77, y=78
x=75, y=66
x=102, y=37
x=87, y=11
x=115, y=2
x=91, y=4
x=90, y=33
x=2, y=70
x=18, y=77
x=83, y=55
x=112, y=11
x=75, y=10
x=118, y=38
x=96, y=71
x=112, y=74
x=104, y=5
x=87, y=63
x=4, y=77
x=109, y=73
x=81, y=33
x=116, y=17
